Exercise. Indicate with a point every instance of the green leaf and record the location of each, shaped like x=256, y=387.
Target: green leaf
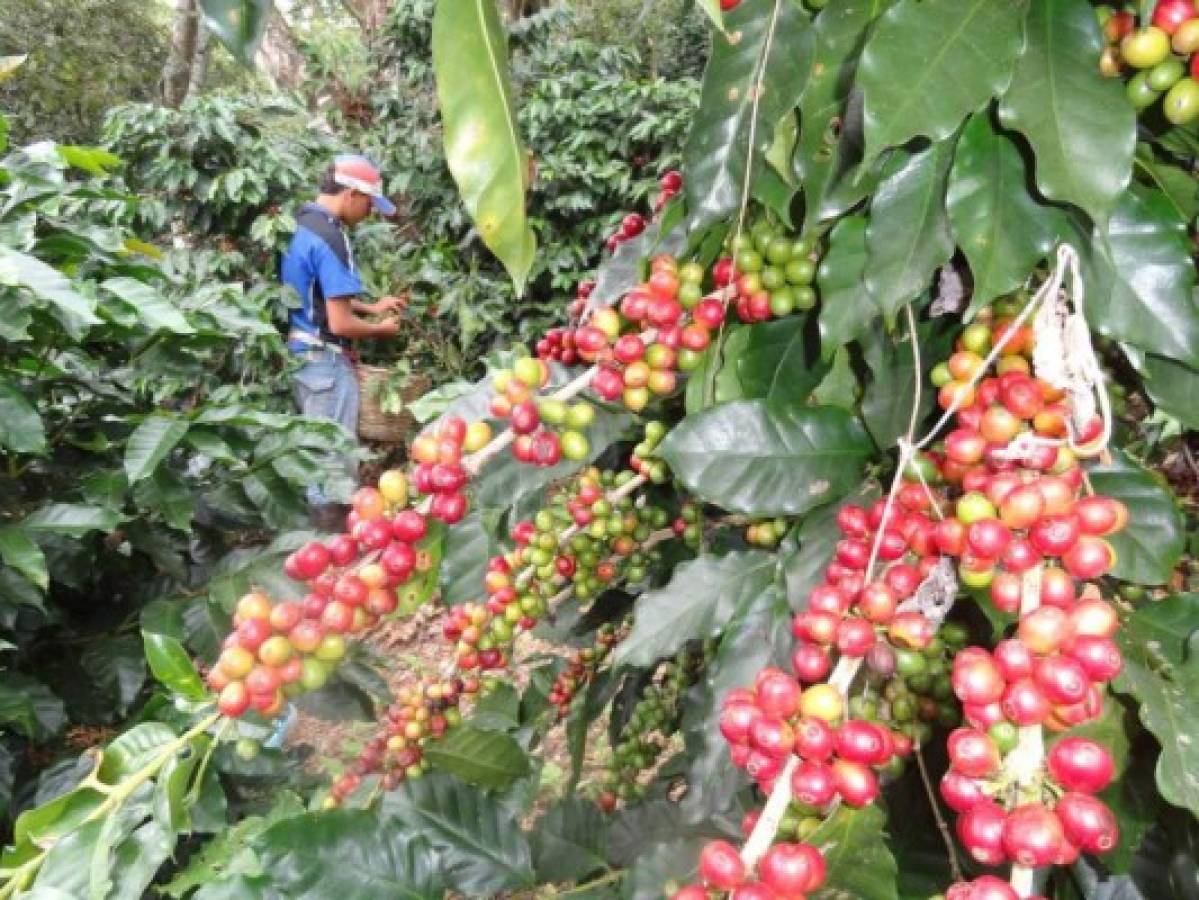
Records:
x=765, y=55
x=93, y=160
x=846, y=311
x=30, y=708
x=137, y=859
x=908, y=236
x=1149, y=548
x=830, y=138
x=712, y=10
x=172, y=666
x=1140, y=278
x=488, y=759
x=763, y=459
x=72, y=519
x=21, y=429
x=117, y=668
x=468, y=546
x=482, y=147
x=238, y=24
x=1079, y=122
x=154, y=310
x=19, y=551
x=929, y=64
x=1170, y=385
x=1001, y=229
x=133, y=749
x=887, y=399
x=482, y=848
x=780, y=361
x=149, y=444
x=840, y=386
x=726, y=381
x=570, y=841
x=752, y=640
x=72, y=309
x=1177, y=184
x=1163, y=677
x=857, y=858
x=697, y=602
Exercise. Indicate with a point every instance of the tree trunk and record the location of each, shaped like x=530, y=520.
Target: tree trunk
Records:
x=176, y=74
x=199, y=73
x=278, y=55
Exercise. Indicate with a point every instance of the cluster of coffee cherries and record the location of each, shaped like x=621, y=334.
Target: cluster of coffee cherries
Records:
x=766, y=532
x=438, y=471
x=633, y=224
x=787, y=870
x=279, y=650
x=603, y=546
x=661, y=328
x=421, y=712
x=580, y=669
x=1161, y=54
x=771, y=270
x=642, y=462
x=533, y=419
x=654, y=719
x=911, y=690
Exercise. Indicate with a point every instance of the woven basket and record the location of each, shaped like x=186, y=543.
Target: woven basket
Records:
x=376, y=425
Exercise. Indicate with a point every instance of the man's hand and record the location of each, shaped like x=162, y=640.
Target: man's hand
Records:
x=387, y=328
x=389, y=304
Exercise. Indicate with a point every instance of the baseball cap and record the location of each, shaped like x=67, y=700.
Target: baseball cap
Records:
x=357, y=172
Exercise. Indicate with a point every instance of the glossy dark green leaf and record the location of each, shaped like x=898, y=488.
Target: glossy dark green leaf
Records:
x=830, y=135
x=727, y=358
x=137, y=859
x=30, y=708
x=118, y=669
x=751, y=641
x=172, y=665
x=478, y=114
x=133, y=749
x=1177, y=184
x=1079, y=122
x=859, y=863
x=1163, y=678
x=1140, y=279
x=929, y=64
x=468, y=546
x=846, y=310
x=1003, y=231
x=238, y=24
x=672, y=862
x=1171, y=386
x=839, y=387
x=482, y=848
x=781, y=361
x=1149, y=548
x=18, y=550
x=488, y=759
x=570, y=841
x=763, y=459
x=75, y=312
x=152, y=308
x=697, y=602
x=908, y=235
x=754, y=76
x=887, y=399
x=149, y=444
x=72, y=519
x=21, y=429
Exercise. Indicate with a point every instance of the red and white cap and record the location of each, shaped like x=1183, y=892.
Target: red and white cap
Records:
x=357, y=172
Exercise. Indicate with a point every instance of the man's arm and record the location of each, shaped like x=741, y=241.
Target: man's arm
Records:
x=382, y=305
x=343, y=322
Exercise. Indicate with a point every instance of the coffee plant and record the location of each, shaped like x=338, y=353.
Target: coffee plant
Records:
x=829, y=494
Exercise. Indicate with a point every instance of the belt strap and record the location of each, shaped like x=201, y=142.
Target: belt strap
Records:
x=303, y=337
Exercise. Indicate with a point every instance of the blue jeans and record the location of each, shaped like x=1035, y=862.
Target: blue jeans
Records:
x=326, y=387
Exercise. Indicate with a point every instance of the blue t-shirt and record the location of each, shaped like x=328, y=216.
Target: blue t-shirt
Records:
x=318, y=265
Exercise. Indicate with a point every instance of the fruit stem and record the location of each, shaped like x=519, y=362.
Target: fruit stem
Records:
x=955, y=868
